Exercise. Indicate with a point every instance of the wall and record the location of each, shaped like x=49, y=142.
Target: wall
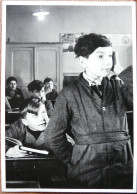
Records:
x=23, y=27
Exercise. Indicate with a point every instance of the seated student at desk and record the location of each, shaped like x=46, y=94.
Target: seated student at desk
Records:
x=51, y=94
x=29, y=129
x=36, y=89
x=13, y=94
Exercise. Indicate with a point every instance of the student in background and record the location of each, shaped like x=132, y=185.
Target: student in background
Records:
x=29, y=128
x=36, y=89
x=51, y=94
x=94, y=107
x=13, y=94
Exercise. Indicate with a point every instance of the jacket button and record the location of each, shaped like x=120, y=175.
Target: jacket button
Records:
x=103, y=108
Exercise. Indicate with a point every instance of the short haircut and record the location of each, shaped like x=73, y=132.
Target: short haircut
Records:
x=30, y=105
x=35, y=85
x=47, y=79
x=87, y=44
x=11, y=78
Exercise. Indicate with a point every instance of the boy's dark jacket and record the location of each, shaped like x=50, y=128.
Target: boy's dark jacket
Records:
x=17, y=99
x=19, y=131
x=101, y=156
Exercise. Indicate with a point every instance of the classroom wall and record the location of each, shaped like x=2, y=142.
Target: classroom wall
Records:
x=23, y=27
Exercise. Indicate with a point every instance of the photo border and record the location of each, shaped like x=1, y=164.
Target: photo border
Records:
x=4, y=4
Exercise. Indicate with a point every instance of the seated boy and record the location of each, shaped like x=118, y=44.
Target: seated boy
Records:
x=36, y=89
x=29, y=128
x=13, y=94
x=51, y=94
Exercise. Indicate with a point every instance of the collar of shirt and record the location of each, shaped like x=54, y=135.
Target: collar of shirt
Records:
x=91, y=81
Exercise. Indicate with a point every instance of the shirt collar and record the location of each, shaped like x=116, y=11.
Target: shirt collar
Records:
x=91, y=81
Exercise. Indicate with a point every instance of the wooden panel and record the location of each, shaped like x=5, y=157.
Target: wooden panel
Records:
x=29, y=61
x=48, y=63
x=22, y=65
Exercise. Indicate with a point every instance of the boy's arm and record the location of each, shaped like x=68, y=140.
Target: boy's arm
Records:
x=55, y=134
x=127, y=88
x=14, y=131
x=19, y=92
x=10, y=132
x=49, y=107
x=7, y=105
x=126, y=77
x=22, y=97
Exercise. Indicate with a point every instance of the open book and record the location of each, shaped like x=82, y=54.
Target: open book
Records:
x=17, y=142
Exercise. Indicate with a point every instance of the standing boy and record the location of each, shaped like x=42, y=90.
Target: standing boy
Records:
x=94, y=107
x=50, y=92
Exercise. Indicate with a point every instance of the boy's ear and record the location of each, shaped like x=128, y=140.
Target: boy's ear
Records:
x=24, y=121
x=83, y=61
x=31, y=93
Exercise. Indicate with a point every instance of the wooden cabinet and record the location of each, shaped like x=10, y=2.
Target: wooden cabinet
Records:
x=32, y=61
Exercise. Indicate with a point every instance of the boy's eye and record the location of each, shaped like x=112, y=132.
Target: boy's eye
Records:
x=34, y=116
x=100, y=56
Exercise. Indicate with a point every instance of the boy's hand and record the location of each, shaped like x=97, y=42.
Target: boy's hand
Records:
x=16, y=152
x=117, y=67
x=8, y=97
x=69, y=139
x=47, y=89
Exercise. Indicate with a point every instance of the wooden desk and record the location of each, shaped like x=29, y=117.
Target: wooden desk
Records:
x=44, y=171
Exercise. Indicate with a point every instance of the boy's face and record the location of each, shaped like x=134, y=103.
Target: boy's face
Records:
x=37, y=122
x=40, y=94
x=49, y=85
x=99, y=63
x=12, y=85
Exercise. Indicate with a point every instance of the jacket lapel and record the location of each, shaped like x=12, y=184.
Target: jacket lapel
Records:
x=89, y=91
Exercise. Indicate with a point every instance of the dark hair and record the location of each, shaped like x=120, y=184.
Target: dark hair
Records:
x=35, y=85
x=11, y=78
x=87, y=44
x=30, y=105
x=47, y=79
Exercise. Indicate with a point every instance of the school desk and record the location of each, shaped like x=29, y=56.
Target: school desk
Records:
x=35, y=171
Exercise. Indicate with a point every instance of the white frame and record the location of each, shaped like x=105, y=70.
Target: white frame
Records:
x=4, y=4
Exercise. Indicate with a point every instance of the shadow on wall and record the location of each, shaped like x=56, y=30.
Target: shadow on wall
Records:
x=69, y=80
x=23, y=87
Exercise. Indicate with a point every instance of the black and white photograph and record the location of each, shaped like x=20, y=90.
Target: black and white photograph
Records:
x=68, y=96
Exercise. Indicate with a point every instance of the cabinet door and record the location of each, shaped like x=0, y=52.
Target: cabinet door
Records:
x=19, y=64
x=31, y=61
x=47, y=61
